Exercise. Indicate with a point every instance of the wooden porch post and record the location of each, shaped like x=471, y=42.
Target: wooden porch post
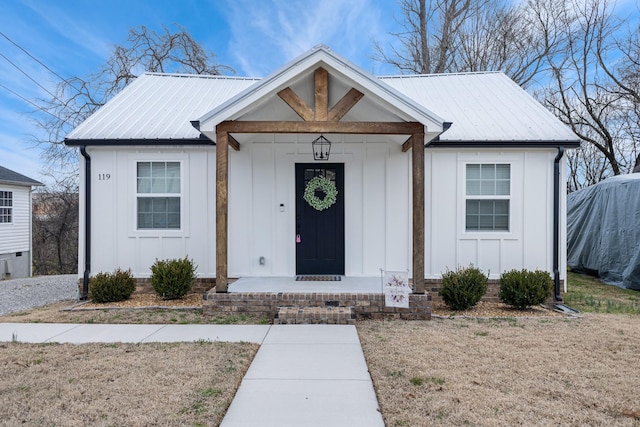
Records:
x=222, y=208
x=418, y=212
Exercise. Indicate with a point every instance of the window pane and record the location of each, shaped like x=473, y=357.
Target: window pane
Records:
x=488, y=188
x=159, y=221
x=145, y=220
x=159, y=205
x=173, y=185
x=502, y=222
x=486, y=222
x=158, y=185
x=173, y=170
x=501, y=207
x=502, y=188
x=473, y=171
x=486, y=207
x=503, y=171
x=144, y=185
x=173, y=204
x=473, y=188
x=158, y=169
x=488, y=171
x=173, y=220
x=144, y=169
x=472, y=222
x=473, y=207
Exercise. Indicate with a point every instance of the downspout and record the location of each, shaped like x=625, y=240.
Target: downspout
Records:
x=87, y=222
x=556, y=223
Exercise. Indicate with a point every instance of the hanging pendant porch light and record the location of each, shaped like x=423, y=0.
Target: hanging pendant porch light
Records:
x=321, y=148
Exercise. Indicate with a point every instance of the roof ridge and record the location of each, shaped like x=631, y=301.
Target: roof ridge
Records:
x=463, y=73
x=201, y=76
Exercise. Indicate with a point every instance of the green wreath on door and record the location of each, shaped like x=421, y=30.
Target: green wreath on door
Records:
x=327, y=187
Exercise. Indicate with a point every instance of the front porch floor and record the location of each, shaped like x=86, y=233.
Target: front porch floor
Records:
x=363, y=285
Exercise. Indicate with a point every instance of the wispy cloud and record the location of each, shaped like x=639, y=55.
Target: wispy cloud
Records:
x=275, y=31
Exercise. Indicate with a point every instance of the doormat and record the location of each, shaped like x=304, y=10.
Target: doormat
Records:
x=318, y=278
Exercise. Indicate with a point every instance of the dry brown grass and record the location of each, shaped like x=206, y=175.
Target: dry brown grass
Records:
x=498, y=372
x=135, y=310
x=120, y=384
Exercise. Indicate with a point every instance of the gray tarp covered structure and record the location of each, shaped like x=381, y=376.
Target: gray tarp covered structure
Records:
x=603, y=230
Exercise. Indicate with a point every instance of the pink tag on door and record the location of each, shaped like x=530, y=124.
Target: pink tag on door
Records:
x=298, y=238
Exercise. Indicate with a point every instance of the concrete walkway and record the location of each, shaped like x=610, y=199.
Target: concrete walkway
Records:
x=303, y=375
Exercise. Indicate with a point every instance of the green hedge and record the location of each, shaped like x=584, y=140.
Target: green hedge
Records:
x=463, y=288
x=524, y=288
x=173, y=278
x=111, y=287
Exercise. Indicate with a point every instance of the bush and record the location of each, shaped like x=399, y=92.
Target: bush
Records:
x=111, y=287
x=524, y=288
x=173, y=278
x=463, y=288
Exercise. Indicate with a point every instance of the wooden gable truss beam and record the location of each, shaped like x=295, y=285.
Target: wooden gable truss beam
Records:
x=321, y=113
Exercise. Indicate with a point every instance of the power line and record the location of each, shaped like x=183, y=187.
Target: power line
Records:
x=33, y=103
x=29, y=77
x=34, y=58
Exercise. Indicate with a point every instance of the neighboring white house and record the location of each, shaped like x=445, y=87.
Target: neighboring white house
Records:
x=15, y=224
x=481, y=188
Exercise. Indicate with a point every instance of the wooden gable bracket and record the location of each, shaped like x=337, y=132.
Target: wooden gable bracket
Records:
x=407, y=144
x=322, y=113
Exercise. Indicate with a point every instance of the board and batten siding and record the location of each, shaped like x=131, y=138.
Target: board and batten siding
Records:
x=116, y=242
x=16, y=235
x=527, y=244
x=377, y=198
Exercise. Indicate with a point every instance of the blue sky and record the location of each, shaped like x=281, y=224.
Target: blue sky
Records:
x=254, y=37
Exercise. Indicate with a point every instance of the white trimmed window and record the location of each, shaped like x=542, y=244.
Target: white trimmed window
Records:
x=6, y=207
x=487, y=193
x=158, y=195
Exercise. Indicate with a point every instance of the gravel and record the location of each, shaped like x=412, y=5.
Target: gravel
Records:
x=23, y=294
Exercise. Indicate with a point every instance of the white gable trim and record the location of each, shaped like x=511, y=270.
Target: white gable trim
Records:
x=319, y=56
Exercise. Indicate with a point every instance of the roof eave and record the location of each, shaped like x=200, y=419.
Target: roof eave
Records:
x=504, y=144
x=203, y=140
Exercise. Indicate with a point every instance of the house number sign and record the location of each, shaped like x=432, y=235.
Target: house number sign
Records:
x=104, y=176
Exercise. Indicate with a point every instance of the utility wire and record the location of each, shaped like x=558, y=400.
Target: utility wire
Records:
x=34, y=58
x=30, y=78
x=32, y=103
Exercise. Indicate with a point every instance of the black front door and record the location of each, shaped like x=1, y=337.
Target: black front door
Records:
x=319, y=233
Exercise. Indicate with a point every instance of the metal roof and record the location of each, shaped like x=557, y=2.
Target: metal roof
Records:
x=483, y=108
x=159, y=107
x=7, y=176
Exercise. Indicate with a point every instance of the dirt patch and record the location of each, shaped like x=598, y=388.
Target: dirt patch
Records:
x=544, y=371
x=120, y=384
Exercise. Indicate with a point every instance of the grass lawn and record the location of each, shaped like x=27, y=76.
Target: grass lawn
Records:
x=588, y=294
x=448, y=371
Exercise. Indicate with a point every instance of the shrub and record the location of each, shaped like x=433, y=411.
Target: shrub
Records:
x=524, y=288
x=463, y=288
x=111, y=287
x=173, y=278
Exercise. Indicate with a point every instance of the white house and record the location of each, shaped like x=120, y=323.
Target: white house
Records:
x=432, y=172
x=15, y=224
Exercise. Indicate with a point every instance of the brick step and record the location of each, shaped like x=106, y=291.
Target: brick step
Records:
x=315, y=315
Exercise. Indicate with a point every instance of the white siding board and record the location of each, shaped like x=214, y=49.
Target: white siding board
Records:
x=374, y=218
x=15, y=236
